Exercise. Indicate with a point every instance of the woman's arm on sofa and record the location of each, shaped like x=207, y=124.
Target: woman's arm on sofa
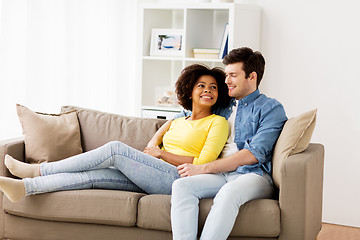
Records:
x=171, y=158
x=153, y=149
x=156, y=140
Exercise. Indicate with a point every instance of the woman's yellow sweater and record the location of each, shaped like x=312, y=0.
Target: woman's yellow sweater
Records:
x=202, y=139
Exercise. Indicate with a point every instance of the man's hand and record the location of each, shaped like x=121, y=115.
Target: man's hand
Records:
x=153, y=151
x=188, y=169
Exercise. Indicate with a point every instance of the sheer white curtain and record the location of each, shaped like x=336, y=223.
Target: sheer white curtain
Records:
x=66, y=52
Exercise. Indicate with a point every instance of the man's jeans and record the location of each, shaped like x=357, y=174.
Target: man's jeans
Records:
x=231, y=190
x=112, y=166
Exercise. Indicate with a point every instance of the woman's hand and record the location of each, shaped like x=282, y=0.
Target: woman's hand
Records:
x=187, y=169
x=153, y=151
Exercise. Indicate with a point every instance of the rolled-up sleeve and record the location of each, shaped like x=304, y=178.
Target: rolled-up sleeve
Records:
x=271, y=122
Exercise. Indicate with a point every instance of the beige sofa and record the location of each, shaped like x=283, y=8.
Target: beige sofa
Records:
x=294, y=214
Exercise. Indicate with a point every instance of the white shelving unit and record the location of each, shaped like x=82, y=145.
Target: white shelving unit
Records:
x=203, y=26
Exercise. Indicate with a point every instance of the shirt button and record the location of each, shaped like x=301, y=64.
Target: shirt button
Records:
x=245, y=104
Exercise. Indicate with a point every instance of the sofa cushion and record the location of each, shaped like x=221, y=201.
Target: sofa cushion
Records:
x=154, y=212
x=98, y=128
x=294, y=138
x=84, y=206
x=257, y=218
x=49, y=137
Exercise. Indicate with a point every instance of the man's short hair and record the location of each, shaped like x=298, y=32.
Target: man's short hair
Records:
x=252, y=61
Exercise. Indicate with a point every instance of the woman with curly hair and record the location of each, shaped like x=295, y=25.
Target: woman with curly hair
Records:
x=197, y=139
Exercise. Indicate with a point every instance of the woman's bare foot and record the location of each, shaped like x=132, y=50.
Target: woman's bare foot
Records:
x=13, y=189
x=21, y=169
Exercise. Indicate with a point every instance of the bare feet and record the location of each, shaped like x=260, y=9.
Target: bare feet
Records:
x=13, y=189
x=21, y=169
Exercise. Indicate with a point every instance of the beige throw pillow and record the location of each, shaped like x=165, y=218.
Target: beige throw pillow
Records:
x=294, y=138
x=49, y=137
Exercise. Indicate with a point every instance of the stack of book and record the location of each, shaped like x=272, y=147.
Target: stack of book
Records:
x=214, y=53
x=206, y=53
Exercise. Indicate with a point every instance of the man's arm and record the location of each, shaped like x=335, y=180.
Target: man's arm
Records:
x=258, y=150
x=227, y=164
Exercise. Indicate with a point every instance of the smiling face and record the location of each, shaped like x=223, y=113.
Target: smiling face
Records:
x=239, y=86
x=205, y=92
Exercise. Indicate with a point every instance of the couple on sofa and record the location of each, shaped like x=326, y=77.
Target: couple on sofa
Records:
x=185, y=166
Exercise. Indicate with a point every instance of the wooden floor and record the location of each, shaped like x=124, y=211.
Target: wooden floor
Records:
x=337, y=232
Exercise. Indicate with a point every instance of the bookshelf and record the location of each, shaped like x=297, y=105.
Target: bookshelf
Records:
x=202, y=26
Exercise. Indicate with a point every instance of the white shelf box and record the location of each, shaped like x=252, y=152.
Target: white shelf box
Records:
x=208, y=30
x=159, y=18
x=158, y=76
x=203, y=26
x=208, y=62
x=160, y=112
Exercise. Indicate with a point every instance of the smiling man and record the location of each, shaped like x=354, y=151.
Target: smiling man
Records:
x=243, y=171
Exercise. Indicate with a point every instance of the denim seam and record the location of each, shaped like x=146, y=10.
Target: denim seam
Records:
x=90, y=167
x=77, y=184
x=143, y=162
x=42, y=169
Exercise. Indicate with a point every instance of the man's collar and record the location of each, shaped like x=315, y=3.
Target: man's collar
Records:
x=232, y=102
x=249, y=98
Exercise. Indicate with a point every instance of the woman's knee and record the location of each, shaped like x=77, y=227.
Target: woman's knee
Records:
x=114, y=143
x=116, y=146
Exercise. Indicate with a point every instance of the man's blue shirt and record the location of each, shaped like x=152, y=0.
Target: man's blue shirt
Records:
x=258, y=123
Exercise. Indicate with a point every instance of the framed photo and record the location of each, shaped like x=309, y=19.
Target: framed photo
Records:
x=166, y=42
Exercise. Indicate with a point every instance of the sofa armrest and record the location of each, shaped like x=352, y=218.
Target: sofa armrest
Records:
x=14, y=147
x=300, y=196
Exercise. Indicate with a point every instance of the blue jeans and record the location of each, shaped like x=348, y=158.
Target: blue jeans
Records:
x=112, y=166
x=229, y=190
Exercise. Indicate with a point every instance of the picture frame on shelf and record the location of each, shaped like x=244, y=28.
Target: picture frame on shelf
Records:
x=166, y=42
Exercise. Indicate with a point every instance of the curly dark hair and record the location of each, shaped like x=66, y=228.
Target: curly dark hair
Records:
x=188, y=78
x=253, y=61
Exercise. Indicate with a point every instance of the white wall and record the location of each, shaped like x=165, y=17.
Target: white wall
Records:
x=312, y=48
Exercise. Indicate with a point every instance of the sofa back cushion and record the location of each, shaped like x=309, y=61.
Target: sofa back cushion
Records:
x=98, y=128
